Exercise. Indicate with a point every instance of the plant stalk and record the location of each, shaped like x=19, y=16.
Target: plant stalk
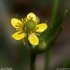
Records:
x=33, y=59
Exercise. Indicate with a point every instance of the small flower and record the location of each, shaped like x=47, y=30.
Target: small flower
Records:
x=28, y=28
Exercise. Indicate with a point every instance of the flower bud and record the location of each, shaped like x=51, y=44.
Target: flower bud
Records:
x=42, y=45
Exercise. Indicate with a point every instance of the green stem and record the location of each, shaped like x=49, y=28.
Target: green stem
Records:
x=53, y=17
x=47, y=59
x=55, y=9
x=33, y=58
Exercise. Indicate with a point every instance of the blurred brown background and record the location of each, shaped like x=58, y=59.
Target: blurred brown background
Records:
x=43, y=8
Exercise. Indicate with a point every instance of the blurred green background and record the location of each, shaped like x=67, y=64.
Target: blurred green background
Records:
x=13, y=54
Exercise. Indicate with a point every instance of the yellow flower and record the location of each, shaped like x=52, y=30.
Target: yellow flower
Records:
x=28, y=28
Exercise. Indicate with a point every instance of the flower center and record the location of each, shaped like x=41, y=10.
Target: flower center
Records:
x=29, y=26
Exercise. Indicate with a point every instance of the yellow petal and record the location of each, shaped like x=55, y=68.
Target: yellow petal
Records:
x=16, y=23
x=33, y=39
x=31, y=16
x=37, y=19
x=18, y=35
x=41, y=27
